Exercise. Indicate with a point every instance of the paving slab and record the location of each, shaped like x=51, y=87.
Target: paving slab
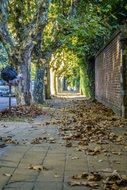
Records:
x=58, y=163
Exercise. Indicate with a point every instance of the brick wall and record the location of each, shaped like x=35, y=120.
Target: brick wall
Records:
x=108, y=74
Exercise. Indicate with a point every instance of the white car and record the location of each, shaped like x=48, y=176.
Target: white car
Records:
x=4, y=89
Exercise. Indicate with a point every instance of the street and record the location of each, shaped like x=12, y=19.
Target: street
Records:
x=4, y=101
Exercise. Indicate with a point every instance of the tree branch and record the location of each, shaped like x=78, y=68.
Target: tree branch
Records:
x=39, y=21
x=5, y=36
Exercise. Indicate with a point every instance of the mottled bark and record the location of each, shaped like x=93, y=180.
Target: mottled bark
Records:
x=39, y=86
x=26, y=70
x=52, y=79
x=23, y=90
x=47, y=86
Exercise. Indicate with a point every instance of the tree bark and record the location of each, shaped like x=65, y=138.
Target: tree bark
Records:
x=39, y=86
x=52, y=79
x=47, y=86
x=26, y=91
x=23, y=90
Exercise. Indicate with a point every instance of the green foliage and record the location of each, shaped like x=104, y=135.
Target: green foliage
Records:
x=65, y=63
x=81, y=27
x=21, y=13
x=3, y=57
x=84, y=80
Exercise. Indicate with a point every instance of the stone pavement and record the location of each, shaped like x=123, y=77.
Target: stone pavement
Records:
x=59, y=162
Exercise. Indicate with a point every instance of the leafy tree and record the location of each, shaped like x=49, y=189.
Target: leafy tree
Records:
x=20, y=23
x=3, y=57
x=47, y=44
x=93, y=24
x=73, y=26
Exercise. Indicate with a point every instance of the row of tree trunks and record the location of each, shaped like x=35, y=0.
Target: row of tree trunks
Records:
x=20, y=49
x=51, y=82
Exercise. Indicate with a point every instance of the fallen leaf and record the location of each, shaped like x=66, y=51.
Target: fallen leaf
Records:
x=52, y=140
x=119, y=138
x=75, y=183
x=94, y=176
x=69, y=144
x=7, y=174
x=90, y=184
x=77, y=176
x=100, y=160
x=36, y=167
x=56, y=176
x=75, y=158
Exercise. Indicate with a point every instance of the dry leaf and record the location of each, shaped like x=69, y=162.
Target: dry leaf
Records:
x=100, y=160
x=114, y=187
x=77, y=176
x=45, y=168
x=36, y=167
x=84, y=175
x=75, y=183
x=69, y=144
x=119, y=138
x=75, y=158
x=56, y=176
x=52, y=140
x=94, y=176
x=90, y=184
x=7, y=174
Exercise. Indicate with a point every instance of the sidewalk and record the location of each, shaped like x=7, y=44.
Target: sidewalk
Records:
x=36, y=156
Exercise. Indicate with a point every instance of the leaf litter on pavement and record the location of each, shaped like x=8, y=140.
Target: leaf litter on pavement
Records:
x=86, y=123
x=91, y=122
x=114, y=181
x=22, y=111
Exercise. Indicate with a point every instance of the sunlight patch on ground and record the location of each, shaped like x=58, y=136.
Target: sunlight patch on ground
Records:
x=70, y=95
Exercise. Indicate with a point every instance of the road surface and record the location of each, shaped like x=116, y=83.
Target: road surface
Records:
x=4, y=101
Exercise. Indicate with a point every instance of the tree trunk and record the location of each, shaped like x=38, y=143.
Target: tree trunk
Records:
x=47, y=86
x=26, y=93
x=84, y=89
x=23, y=91
x=39, y=87
x=56, y=84
x=53, y=82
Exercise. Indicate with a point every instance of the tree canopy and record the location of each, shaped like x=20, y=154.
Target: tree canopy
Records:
x=67, y=34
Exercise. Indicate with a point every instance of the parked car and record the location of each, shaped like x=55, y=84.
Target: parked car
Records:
x=2, y=83
x=4, y=89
